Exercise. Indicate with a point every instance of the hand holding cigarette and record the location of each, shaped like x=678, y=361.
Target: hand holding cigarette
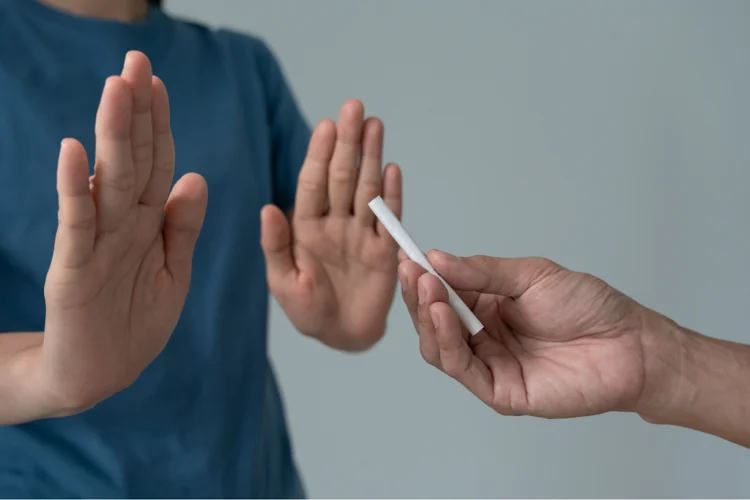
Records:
x=410, y=248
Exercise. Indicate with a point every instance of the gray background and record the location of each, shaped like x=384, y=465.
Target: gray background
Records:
x=612, y=136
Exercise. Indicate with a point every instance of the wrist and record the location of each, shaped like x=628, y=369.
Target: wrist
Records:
x=663, y=344
x=30, y=390
x=19, y=392
x=694, y=381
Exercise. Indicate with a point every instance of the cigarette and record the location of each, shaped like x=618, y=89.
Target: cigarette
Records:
x=394, y=227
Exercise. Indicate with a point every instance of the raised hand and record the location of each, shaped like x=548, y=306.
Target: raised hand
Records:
x=333, y=270
x=556, y=343
x=123, y=252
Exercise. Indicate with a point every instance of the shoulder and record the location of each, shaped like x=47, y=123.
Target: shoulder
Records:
x=243, y=50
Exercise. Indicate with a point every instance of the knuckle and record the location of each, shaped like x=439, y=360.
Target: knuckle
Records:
x=165, y=166
x=430, y=357
x=549, y=265
x=542, y=263
x=86, y=223
x=483, y=261
x=539, y=268
x=505, y=411
x=457, y=367
x=369, y=184
x=310, y=185
x=62, y=287
x=123, y=184
x=452, y=370
x=341, y=175
x=185, y=231
x=119, y=180
x=143, y=153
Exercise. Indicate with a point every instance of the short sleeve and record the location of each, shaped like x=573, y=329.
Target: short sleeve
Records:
x=289, y=131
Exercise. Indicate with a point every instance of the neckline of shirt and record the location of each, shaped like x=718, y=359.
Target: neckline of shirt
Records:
x=151, y=34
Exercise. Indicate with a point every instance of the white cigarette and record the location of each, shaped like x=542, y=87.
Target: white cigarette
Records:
x=393, y=226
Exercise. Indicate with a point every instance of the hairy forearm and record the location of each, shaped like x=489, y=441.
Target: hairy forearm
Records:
x=20, y=397
x=695, y=381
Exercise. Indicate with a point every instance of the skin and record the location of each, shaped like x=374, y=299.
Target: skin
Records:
x=333, y=269
x=557, y=343
x=125, y=11
x=118, y=279
x=561, y=344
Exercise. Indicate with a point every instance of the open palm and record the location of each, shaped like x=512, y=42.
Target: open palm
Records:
x=121, y=266
x=333, y=270
x=556, y=343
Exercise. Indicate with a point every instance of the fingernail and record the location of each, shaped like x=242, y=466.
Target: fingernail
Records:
x=421, y=293
x=435, y=319
x=404, y=284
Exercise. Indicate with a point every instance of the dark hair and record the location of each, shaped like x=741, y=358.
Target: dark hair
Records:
x=155, y=3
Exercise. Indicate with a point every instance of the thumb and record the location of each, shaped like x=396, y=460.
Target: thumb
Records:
x=510, y=277
x=183, y=219
x=276, y=240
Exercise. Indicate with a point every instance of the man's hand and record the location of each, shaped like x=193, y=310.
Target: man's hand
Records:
x=556, y=343
x=119, y=277
x=333, y=270
x=561, y=344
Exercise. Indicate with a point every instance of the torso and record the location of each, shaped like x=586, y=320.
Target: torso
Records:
x=205, y=418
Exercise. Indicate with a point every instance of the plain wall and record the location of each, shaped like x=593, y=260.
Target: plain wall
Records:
x=611, y=136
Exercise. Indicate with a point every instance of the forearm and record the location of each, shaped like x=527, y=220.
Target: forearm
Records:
x=20, y=397
x=694, y=381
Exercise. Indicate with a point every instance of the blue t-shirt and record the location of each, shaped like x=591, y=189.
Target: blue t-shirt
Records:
x=206, y=418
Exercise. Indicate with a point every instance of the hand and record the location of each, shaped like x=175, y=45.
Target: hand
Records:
x=334, y=270
x=556, y=343
x=118, y=278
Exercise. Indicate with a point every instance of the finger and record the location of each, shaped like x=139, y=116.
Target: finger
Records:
x=342, y=175
x=510, y=277
x=276, y=240
x=312, y=184
x=436, y=292
x=183, y=218
x=114, y=177
x=76, y=230
x=137, y=73
x=428, y=293
x=408, y=274
x=391, y=194
x=162, y=168
x=369, y=181
x=456, y=357
x=470, y=298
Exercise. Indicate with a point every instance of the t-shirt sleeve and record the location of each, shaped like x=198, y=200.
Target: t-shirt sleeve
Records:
x=289, y=131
